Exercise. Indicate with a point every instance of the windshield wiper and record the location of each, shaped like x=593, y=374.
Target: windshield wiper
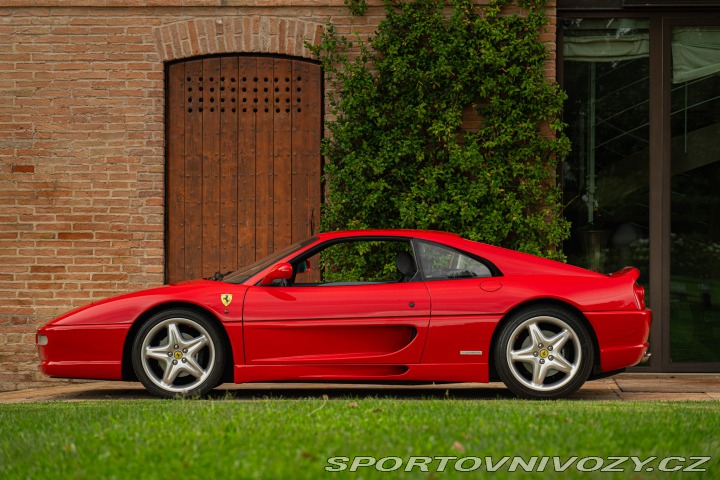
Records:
x=219, y=276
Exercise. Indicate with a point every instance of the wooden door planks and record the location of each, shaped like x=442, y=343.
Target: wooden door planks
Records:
x=243, y=168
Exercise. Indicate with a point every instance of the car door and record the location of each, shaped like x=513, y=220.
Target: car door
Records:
x=346, y=320
x=466, y=300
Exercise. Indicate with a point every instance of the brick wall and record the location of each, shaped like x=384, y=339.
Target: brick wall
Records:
x=82, y=141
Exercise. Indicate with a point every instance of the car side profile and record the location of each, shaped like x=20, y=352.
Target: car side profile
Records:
x=364, y=306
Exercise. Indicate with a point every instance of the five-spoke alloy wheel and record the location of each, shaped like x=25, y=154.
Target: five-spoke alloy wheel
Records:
x=178, y=353
x=544, y=353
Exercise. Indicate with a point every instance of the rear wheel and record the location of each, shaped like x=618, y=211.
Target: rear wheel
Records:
x=178, y=352
x=544, y=353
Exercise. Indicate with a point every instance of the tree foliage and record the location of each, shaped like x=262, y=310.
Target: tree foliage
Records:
x=397, y=156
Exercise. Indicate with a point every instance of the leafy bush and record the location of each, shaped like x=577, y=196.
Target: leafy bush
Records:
x=397, y=156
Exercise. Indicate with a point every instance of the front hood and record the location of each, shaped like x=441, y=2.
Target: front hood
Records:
x=126, y=308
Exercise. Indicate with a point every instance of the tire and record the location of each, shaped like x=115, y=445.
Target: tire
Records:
x=178, y=353
x=535, y=340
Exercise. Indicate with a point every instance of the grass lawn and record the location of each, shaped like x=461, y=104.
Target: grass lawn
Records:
x=292, y=439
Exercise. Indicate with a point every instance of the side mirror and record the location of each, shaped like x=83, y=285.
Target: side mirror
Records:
x=303, y=266
x=281, y=271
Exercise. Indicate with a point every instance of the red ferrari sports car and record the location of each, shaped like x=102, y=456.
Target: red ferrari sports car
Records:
x=364, y=306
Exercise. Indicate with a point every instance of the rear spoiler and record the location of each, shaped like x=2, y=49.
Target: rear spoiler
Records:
x=632, y=271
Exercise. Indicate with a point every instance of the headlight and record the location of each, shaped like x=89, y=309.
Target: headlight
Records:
x=42, y=340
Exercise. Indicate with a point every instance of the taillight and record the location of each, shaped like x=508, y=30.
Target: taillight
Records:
x=640, y=295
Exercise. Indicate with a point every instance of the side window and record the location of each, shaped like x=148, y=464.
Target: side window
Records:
x=355, y=262
x=444, y=263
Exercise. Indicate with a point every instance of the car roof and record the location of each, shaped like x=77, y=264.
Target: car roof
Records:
x=426, y=234
x=510, y=262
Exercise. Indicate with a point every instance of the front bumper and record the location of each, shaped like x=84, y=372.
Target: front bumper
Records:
x=81, y=351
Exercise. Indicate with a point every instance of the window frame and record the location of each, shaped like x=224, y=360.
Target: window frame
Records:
x=494, y=271
x=295, y=261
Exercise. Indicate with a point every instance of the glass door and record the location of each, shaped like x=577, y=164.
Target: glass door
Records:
x=642, y=183
x=606, y=73
x=694, y=296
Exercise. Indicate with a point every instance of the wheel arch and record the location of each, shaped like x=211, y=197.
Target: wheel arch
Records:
x=128, y=374
x=543, y=302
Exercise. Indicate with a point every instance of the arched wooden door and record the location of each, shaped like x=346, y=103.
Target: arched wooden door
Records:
x=243, y=160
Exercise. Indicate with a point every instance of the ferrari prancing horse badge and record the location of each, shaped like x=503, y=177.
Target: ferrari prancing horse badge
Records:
x=226, y=298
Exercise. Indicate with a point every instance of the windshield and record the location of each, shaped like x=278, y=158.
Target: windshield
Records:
x=243, y=274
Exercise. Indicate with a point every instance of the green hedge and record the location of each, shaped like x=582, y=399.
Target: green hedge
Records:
x=397, y=156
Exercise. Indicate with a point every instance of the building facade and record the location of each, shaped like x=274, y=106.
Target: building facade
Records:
x=107, y=112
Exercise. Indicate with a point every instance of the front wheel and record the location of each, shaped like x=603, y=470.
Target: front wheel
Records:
x=544, y=353
x=178, y=352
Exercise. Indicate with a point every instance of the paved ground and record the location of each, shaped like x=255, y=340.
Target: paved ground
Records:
x=624, y=387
